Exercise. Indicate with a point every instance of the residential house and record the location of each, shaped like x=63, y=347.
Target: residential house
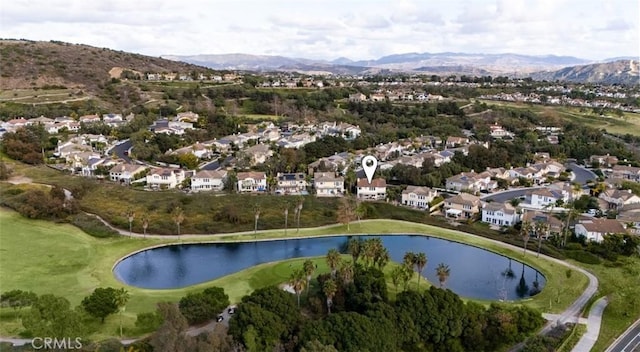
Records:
x=258, y=154
x=291, y=183
x=357, y=97
x=456, y=141
x=618, y=199
x=471, y=181
x=629, y=216
x=500, y=214
x=252, y=182
x=208, y=180
x=165, y=178
x=418, y=197
x=603, y=160
x=374, y=190
x=64, y=150
x=626, y=173
x=498, y=132
x=126, y=173
x=533, y=216
x=462, y=206
x=89, y=119
x=543, y=197
x=335, y=163
x=198, y=149
x=112, y=119
x=188, y=117
x=328, y=185
x=594, y=229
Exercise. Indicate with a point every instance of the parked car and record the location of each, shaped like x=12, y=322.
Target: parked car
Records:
x=231, y=310
x=220, y=318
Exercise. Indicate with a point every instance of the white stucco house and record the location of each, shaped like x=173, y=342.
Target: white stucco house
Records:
x=207, y=180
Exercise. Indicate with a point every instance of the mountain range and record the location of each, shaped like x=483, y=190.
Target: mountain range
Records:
x=550, y=67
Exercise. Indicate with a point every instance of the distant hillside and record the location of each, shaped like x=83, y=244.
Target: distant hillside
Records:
x=456, y=63
x=621, y=72
x=30, y=64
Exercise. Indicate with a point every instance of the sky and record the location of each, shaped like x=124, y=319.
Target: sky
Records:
x=329, y=29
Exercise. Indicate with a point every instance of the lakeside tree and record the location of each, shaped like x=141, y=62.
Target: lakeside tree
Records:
x=101, y=303
x=329, y=289
x=525, y=232
x=130, y=217
x=309, y=268
x=178, y=217
x=199, y=307
x=145, y=225
x=297, y=281
x=420, y=261
x=333, y=260
x=121, y=299
x=443, y=272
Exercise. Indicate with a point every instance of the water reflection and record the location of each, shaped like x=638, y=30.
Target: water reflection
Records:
x=476, y=273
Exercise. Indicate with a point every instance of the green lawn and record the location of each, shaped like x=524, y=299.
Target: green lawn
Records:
x=629, y=123
x=58, y=258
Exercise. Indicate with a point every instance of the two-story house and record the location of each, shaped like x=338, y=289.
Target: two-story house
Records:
x=471, y=181
x=294, y=183
x=328, y=185
x=618, y=199
x=626, y=173
x=208, y=180
x=374, y=190
x=594, y=229
x=500, y=214
x=462, y=206
x=543, y=197
x=418, y=197
x=126, y=173
x=252, y=182
x=165, y=178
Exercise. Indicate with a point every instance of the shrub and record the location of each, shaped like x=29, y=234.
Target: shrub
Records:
x=92, y=226
x=583, y=257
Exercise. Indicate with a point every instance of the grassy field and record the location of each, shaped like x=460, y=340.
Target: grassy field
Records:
x=621, y=283
x=62, y=260
x=628, y=123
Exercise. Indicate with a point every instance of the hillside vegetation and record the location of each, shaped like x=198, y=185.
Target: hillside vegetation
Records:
x=31, y=64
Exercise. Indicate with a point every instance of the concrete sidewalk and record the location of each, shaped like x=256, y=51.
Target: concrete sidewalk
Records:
x=593, y=326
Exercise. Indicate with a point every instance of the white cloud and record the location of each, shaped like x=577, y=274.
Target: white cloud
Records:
x=329, y=29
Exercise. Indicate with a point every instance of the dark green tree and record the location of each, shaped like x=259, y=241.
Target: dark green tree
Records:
x=101, y=303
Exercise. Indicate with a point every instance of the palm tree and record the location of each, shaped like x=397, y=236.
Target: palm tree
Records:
x=333, y=260
x=286, y=219
x=396, y=276
x=178, y=217
x=308, y=268
x=382, y=258
x=297, y=282
x=407, y=273
x=130, y=216
x=541, y=229
x=354, y=247
x=255, y=226
x=346, y=272
x=443, y=272
x=360, y=210
x=145, y=225
x=299, y=212
x=525, y=231
x=409, y=260
x=420, y=261
x=329, y=288
x=569, y=216
x=122, y=297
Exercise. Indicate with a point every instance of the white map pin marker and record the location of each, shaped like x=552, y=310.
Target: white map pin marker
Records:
x=369, y=164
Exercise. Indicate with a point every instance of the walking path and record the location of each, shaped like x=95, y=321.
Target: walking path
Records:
x=593, y=326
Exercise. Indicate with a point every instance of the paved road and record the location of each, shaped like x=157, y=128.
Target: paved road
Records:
x=120, y=150
x=629, y=341
x=589, y=339
x=506, y=196
x=582, y=175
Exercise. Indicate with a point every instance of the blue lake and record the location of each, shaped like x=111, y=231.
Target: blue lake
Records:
x=475, y=272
